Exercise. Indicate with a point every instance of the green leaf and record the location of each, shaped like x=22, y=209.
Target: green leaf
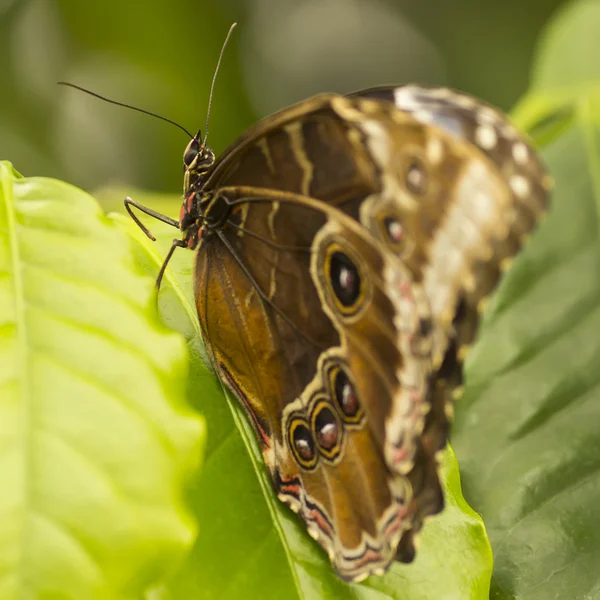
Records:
x=566, y=73
x=253, y=546
x=95, y=438
x=527, y=431
x=568, y=50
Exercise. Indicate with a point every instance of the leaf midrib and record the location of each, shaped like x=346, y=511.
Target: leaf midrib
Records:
x=268, y=495
x=22, y=375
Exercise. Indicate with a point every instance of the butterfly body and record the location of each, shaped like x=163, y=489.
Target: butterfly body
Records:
x=345, y=247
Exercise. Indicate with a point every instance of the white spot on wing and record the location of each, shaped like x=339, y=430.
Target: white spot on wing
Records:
x=520, y=153
x=485, y=137
x=520, y=186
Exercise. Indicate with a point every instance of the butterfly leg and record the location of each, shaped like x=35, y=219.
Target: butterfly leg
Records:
x=129, y=203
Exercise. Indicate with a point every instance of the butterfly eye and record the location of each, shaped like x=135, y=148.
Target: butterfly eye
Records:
x=345, y=396
x=190, y=154
x=302, y=443
x=416, y=177
x=345, y=280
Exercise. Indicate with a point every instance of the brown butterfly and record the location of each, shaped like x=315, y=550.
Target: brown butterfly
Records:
x=345, y=248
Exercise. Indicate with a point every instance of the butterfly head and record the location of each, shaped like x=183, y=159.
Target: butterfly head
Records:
x=197, y=161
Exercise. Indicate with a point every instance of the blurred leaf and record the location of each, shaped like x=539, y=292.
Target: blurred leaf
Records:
x=95, y=440
x=111, y=199
x=170, y=52
x=253, y=546
x=568, y=51
x=566, y=72
x=527, y=432
x=161, y=56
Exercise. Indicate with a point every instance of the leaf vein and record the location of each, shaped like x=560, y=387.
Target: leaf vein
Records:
x=89, y=329
x=115, y=394
x=113, y=294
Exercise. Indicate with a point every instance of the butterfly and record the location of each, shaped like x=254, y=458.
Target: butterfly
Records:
x=345, y=248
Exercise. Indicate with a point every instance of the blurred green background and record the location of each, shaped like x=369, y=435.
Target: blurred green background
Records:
x=161, y=56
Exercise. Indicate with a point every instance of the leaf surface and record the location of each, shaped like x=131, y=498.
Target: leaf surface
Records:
x=95, y=438
x=526, y=432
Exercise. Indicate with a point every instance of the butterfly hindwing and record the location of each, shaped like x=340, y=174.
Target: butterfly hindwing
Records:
x=315, y=328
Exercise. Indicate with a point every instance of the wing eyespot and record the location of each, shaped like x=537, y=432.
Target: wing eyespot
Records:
x=343, y=392
x=344, y=279
x=327, y=429
x=302, y=443
x=392, y=231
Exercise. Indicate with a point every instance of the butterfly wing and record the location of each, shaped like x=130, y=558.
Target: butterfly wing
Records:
x=420, y=195
x=485, y=208
x=491, y=204
x=441, y=179
x=316, y=330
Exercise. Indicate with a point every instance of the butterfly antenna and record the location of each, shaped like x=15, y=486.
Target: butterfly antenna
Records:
x=141, y=110
x=212, y=87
